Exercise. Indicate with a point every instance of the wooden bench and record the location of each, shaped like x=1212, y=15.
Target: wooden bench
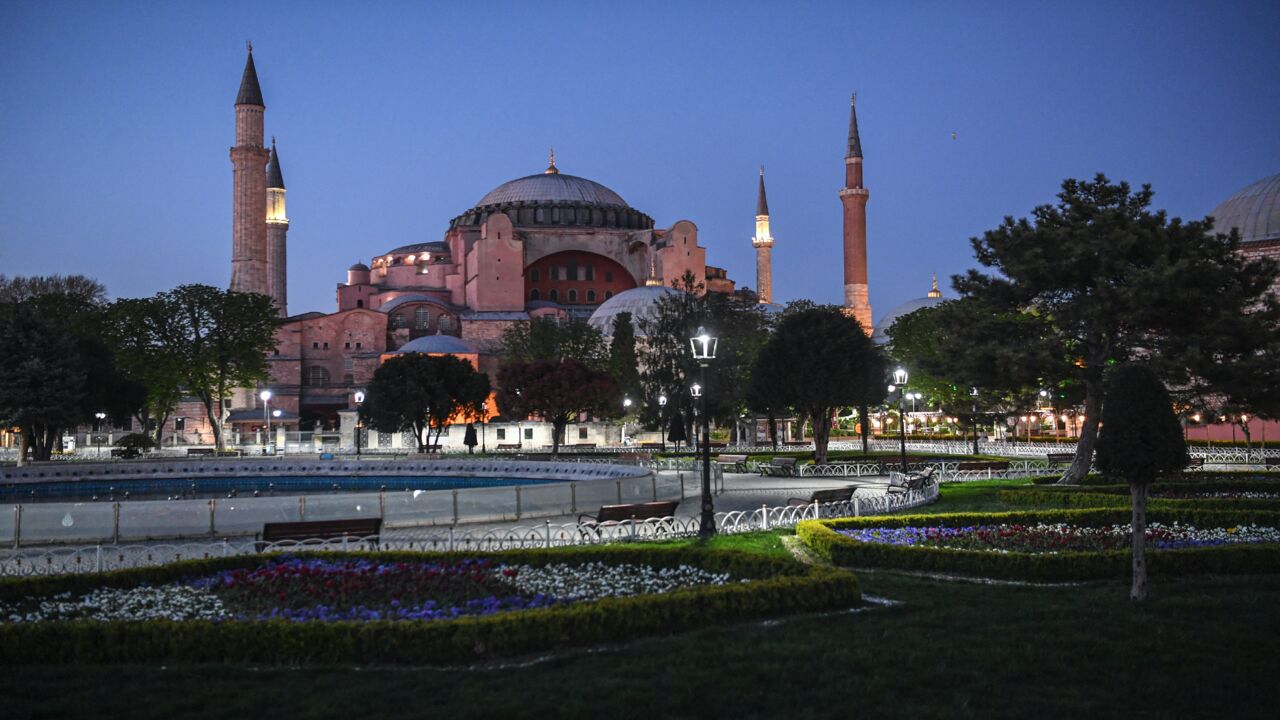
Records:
x=912, y=481
x=195, y=452
x=1059, y=458
x=731, y=463
x=508, y=446
x=779, y=467
x=307, y=531
x=831, y=495
x=650, y=446
x=1198, y=462
x=633, y=511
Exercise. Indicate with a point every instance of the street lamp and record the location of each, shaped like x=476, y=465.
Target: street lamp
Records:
x=703, y=347
x=359, y=398
x=484, y=417
x=662, y=420
x=900, y=379
x=626, y=408
x=973, y=410
x=98, y=437
x=266, y=416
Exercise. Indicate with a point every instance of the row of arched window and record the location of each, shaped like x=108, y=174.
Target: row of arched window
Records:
x=571, y=295
x=421, y=320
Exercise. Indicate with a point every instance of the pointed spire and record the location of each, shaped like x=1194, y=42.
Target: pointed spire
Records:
x=250, y=92
x=935, y=292
x=653, y=280
x=855, y=143
x=762, y=203
x=551, y=169
x=274, y=178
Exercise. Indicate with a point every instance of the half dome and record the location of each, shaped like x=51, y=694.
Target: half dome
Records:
x=641, y=302
x=880, y=336
x=437, y=345
x=1253, y=210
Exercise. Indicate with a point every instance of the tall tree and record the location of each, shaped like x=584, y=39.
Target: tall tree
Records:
x=1100, y=279
x=1140, y=440
x=624, y=365
x=43, y=386
x=135, y=327
x=827, y=358
x=421, y=393
x=558, y=391
x=548, y=338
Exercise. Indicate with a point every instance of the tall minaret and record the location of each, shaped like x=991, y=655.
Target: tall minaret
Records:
x=277, y=228
x=854, y=196
x=249, y=199
x=763, y=243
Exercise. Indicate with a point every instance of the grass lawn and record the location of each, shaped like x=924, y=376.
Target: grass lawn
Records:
x=1200, y=647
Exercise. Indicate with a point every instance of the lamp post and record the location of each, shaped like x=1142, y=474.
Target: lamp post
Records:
x=973, y=410
x=359, y=397
x=266, y=417
x=703, y=347
x=662, y=420
x=484, y=417
x=900, y=379
x=626, y=408
x=97, y=438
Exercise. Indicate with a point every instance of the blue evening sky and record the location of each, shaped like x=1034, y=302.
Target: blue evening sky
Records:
x=393, y=118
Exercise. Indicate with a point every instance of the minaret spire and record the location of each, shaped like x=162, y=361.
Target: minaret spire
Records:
x=855, y=142
x=277, y=231
x=857, y=297
x=250, y=92
x=653, y=280
x=551, y=168
x=763, y=243
x=935, y=292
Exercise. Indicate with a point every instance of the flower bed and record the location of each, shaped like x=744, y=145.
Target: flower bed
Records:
x=423, y=608
x=1052, y=545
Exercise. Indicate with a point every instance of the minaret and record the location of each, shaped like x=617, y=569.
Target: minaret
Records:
x=249, y=199
x=763, y=244
x=854, y=196
x=935, y=292
x=277, y=228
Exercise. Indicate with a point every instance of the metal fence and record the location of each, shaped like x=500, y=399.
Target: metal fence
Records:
x=100, y=558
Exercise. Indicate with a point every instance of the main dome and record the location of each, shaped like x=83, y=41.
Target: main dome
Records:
x=1254, y=211
x=552, y=188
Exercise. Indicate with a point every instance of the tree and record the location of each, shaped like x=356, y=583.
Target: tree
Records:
x=135, y=327
x=84, y=289
x=43, y=386
x=421, y=393
x=548, y=338
x=826, y=357
x=1140, y=440
x=624, y=365
x=677, y=430
x=1098, y=280
x=559, y=391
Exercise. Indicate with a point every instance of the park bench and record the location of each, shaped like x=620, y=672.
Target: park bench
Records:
x=307, y=531
x=731, y=463
x=632, y=511
x=1269, y=462
x=1059, y=458
x=196, y=452
x=779, y=467
x=911, y=481
x=650, y=446
x=830, y=495
x=1198, y=462
x=585, y=446
x=508, y=446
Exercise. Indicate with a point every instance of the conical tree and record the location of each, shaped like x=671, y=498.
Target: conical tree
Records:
x=1140, y=440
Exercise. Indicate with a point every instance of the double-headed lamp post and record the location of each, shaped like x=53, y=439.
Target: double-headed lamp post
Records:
x=626, y=408
x=662, y=420
x=98, y=437
x=359, y=398
x=900, y=380
x=973, y=409
x=266, y=417
x=703, y=346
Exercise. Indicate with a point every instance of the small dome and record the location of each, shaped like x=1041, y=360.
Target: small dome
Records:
x=431, y=247
x=641, y=302
x=358, y=267
x=552, y=188
x=881, y=334
x=1254, y=211
x=437, y=345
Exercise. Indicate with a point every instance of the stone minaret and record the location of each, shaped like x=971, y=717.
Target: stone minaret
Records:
x=249, y=260
x=854, y=196
x=763, y=243
x=277, y=228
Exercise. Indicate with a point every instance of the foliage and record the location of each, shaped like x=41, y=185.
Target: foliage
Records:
x=43, y=382
x=1140, y=438
x=84, y=289
x=135, y=327
x=559, y=391
x=624, y=364
x=1105, y=497
x=421, y=393
x=549, y=338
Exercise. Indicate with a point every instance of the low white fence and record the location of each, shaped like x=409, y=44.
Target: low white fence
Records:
x=99, y=558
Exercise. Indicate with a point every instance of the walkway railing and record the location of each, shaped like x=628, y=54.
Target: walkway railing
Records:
x=101, y=558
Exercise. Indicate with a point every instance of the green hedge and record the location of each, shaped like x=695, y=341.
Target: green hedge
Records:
x=1118, y=496
x=779, y=587
x=822, y=537
x=1245, y=479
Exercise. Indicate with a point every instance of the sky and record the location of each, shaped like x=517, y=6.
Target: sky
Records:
x=392, y=118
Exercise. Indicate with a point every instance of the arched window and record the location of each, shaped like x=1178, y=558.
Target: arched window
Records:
x=422, y=318
x=534, y=294
x=445, y=323
x=553, y=296
x=608, y=294
x=317, y=376
x=534, y=275
x=359, y=303
x=591, y=296
x=398, y=320
x=573, y=295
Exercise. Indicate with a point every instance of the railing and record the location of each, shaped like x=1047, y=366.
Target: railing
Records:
x=100, y=558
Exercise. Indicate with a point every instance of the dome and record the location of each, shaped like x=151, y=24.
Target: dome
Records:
x=358, y=267
x=431, y=247
x=437, y=345
x=881, y=334
x=552, y=188
x=1254, y=211
x=641, y=302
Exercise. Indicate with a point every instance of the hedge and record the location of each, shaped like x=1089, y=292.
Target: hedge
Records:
x=1118, y=496
x=822, y=538
x=780, y=586
x=1193, y=477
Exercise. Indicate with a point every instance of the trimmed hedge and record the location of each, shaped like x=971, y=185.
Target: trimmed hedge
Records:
x=1118, y=496
x=779, y=586
x=1249, y=478
x=822, y=538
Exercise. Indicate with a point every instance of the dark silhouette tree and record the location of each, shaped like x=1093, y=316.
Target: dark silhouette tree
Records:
x=422, y=393
x=1140, y=440
x=558, y=391
x=624, y=364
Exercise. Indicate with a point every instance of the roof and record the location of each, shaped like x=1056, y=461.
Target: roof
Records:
x=250, y=92
x=437, y=345
x=432, y=247
x=762, y=203
x=1253, y=210
x=274, y=178
x=359, y=267
x=855, y=142
x=551, y=188
x=641, y=302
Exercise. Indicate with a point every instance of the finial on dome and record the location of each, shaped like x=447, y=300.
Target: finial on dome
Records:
x=551, y=169
x=249, y=44
x=935, y=292
x=653, y=280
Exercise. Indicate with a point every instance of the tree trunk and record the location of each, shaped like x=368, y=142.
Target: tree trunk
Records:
x=864, y=426
x=821, y=434
x=215, y=422
x=1138, y=492
x=24, y=446
x=557, y=426
x=1083, y=460
x=773, y=430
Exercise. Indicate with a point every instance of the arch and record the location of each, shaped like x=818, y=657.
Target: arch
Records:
x=552, y=295
x=573, y=295
x=534, y=294
x=591, y=296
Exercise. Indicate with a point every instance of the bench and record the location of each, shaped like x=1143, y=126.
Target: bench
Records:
x=307, y=531
x=649, y=446
x=508, y=446
x=585, y=446
x=830, y=495
x=1198, y=462
x=912, y=481
x=1059, y=458
x=731, y=463
x=1268, y=462
x=633, y=511
x=779, y=467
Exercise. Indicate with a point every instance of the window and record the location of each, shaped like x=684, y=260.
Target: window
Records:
x=349, y=379
x=315, y=346
x=502, y=433
x=422, y=318
x=534, y=275
x=608, y=276
x=317, y=376
x=446, y=323
x=347, y=346
x=591, y=296
x=608, y=294
x=553, y=296
x=357, y=345
x=582, y=433
x=528, y=433
x=534, y=294
x=589, y=272
x=359, y=303
x=573, y=296
x=397, y=320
